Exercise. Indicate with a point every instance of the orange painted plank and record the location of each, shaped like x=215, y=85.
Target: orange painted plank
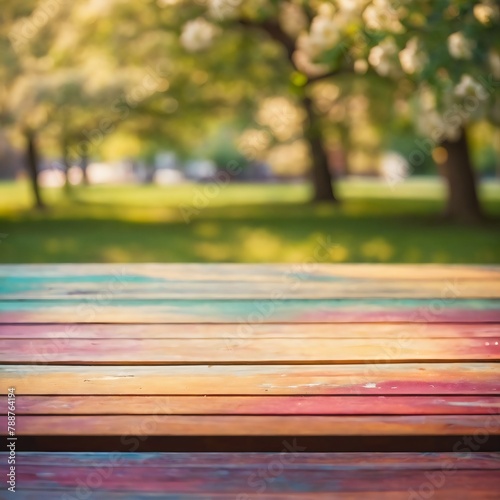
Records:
x=254, y=405
x=229, y=425
x=340, y=379
x=237, y=351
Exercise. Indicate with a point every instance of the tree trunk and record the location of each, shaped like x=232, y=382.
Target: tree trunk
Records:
x=83, y=165
x=320, y=171
x=344, y=146
x=496, y=148
x=463, y=202
x=66, y=163
x=32, y=167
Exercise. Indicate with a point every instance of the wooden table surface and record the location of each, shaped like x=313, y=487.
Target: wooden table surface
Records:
x=255, y=350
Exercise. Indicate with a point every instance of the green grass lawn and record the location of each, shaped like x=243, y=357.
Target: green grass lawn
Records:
x=243, y=223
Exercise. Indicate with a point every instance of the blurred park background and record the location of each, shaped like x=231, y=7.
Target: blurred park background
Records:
x=250, y=131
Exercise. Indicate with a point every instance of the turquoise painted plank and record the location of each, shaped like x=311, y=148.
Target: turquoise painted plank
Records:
x=251, y=311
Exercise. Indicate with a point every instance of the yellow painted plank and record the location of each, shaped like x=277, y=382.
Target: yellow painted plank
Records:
x=369, y=378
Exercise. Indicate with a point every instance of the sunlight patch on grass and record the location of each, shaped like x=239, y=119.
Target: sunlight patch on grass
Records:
x=339, y=253
x=207, y=229
x=260, y=244
x=378, y=249
x=216, y=252
x=116, y=254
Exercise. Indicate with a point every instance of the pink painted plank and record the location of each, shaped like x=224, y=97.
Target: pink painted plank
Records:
x=275, y=475
x=401, y=331
x=254, y=405
x=237, y=351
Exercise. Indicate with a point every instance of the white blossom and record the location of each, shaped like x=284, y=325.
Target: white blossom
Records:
x=323, y=35
x=292, y=19
x=486, y=11
x=470, y=87
x=411, y=58
x=395, y=168
x=441, y=126
x=381, y=15
x=354, y=6
x=434, y=124
x=494, y=60
x=223, y=9
x=349, y=10
x=252, y=143
x=325, y=31
x=360, y=66
x=283, y=118
x=382, y=56
x=304, y=62
x=459, y=46
x=198, y=34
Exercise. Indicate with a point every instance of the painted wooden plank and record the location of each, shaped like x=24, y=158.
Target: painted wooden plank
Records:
x=254, y=405
x=341, y=379
x=327, y=461
x=252, y=476
x=242, y=332
x=63, y=288
x=255, y=351
x=240, y=483
x=191, y=480
x=254, y=425
x=252, y=311
x=462, y=487
x=255, y=272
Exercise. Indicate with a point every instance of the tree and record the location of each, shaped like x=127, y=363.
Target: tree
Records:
x=433, y=48
x=461, y=59
x=286, y=25
x=434, y=45
x=23, y=68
